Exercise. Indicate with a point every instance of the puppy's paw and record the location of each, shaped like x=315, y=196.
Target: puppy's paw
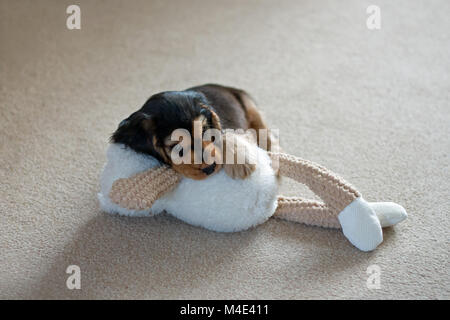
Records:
x=239, y=171
x=240, y=158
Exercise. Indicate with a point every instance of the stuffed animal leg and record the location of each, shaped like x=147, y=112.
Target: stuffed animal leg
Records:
x=343, y=206
x=316, y=213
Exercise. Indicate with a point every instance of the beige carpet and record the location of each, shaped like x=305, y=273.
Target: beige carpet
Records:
x=374, y=106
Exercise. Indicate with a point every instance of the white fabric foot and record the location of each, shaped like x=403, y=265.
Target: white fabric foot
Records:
x=361, y=225
x=389, y=213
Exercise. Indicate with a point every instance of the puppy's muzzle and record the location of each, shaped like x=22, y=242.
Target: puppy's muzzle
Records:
x=209, y=169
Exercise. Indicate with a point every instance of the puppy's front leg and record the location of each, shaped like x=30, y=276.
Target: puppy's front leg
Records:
x=238, y=161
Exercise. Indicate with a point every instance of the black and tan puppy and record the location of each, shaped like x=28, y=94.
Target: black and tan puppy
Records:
x=149, y=129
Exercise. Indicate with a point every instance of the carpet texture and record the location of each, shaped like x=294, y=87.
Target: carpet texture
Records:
x=372, y=106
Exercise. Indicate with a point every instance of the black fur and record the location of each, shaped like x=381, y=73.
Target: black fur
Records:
x=166, y=111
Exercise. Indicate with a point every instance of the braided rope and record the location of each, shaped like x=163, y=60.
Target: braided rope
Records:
x=140, y=191
x=307, y=211
x=332, y=189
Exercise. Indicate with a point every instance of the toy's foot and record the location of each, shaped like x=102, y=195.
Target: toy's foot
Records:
x=361, y=225
x=389, y=213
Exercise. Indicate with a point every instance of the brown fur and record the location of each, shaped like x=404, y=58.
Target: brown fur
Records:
x=217, y=107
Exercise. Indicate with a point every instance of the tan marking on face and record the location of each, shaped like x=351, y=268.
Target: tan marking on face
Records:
x=214, y=117
x=160, y=150
x=168, y=142
x=197, y=126
x=202, y=119
x=194, y=171
x=191, y=169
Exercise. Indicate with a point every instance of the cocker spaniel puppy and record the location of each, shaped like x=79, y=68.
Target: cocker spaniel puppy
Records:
x=173, y=123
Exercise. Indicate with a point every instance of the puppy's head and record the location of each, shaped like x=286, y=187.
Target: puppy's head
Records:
x=153, y=130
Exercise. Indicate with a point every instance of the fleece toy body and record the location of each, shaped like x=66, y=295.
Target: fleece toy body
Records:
x=133, y=184
x=218, y=203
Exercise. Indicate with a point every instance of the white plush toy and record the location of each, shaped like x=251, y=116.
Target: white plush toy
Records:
x=134, y=184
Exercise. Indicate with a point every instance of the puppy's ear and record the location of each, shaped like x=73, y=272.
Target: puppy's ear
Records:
x=136, y=131
x=147, y=122
x=135, y=119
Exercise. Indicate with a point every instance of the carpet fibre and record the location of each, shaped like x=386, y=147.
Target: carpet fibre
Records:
x=371, y=105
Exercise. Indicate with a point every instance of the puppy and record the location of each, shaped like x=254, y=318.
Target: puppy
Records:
x=149, y=130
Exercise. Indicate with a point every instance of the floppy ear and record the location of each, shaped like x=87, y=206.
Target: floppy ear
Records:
x=147, y=122
x=140, y=191
x=135, y=132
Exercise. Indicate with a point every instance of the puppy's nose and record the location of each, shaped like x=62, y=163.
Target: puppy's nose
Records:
x=209, y=169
